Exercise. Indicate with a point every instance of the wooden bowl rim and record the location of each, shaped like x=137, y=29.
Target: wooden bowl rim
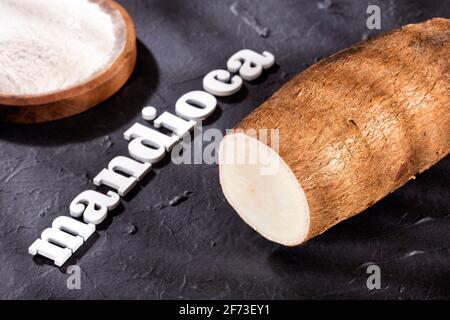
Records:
x=96, y=80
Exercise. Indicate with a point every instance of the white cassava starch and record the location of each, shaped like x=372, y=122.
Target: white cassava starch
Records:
x=52, y=45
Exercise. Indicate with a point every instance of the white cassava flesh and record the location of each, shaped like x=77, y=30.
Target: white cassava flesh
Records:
x=263, y=191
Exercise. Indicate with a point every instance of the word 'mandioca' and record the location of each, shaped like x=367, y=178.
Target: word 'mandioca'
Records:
x=146, y=146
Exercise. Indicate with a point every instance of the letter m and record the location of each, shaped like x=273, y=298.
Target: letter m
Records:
x=60, y=241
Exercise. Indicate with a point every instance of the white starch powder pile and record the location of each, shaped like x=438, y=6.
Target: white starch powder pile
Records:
x=49, y=45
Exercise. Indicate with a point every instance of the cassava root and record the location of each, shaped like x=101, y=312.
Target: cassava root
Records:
x=352, y=129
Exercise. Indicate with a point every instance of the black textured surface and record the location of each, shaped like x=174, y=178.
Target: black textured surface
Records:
x=198, y=247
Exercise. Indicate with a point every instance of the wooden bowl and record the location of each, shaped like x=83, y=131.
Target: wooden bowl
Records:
x=102, y=85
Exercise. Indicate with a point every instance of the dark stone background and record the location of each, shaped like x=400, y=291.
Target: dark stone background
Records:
x=200, y=248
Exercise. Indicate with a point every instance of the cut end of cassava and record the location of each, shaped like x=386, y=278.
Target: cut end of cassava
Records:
x=263, y=190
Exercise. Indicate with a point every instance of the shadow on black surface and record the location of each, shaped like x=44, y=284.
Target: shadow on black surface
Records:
x=392, y=234
x=266, y=74
x=100, y=120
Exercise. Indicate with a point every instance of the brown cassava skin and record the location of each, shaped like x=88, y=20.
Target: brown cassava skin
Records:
x=361, y=123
